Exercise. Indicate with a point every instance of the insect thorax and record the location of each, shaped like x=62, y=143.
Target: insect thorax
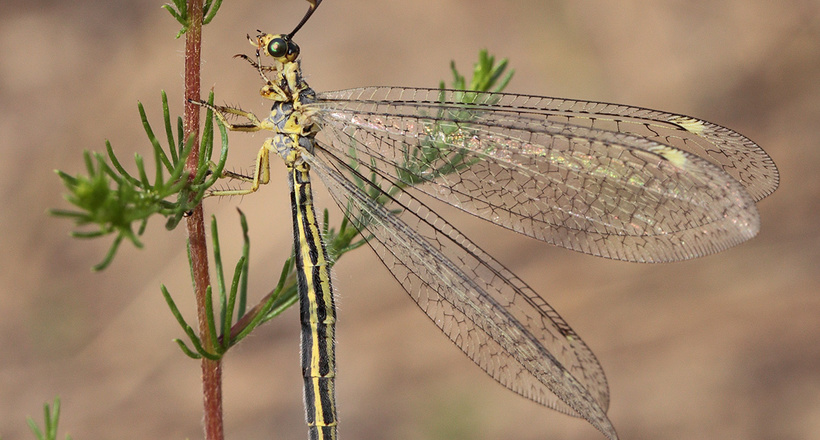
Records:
x=293, y=125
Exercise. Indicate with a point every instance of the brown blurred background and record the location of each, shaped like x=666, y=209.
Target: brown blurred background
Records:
x=724, y=347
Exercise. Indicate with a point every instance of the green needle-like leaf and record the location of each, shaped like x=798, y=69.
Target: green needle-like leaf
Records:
x=116, y=202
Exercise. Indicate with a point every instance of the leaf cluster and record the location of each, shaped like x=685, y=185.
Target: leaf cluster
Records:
x=116, y=202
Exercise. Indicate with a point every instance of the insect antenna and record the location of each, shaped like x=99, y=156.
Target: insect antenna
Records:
x=313, y=5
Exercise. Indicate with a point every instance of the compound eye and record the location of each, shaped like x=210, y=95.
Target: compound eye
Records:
x=293, y=51
x=278, y=47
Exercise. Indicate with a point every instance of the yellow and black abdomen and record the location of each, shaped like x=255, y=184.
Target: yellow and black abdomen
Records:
x=316, y=308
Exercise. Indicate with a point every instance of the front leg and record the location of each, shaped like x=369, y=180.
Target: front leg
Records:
x=257, y=65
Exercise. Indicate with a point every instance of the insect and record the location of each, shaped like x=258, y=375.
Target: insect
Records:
x=610, y=180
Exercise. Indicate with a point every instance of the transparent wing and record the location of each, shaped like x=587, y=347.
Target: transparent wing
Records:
x=507, y=159
x=489, y=313
x=734, y=153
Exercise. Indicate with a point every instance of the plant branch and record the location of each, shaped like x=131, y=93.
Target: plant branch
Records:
x=211, y=369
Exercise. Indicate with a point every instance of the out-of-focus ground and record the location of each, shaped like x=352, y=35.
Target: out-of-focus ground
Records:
x=724, y=347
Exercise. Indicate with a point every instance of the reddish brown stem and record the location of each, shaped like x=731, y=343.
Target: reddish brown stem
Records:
x=211, y=370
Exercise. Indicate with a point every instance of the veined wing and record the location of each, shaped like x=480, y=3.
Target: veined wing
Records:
x=493, y=316
x=606, y=193
x=733, y=152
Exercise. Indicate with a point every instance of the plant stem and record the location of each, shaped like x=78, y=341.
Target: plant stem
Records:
x=211, y=370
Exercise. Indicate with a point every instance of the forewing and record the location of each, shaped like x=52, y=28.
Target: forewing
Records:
x=601, y=192
x=736, y=154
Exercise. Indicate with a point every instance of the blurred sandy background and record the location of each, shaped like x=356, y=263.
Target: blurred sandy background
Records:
x=724, y=347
